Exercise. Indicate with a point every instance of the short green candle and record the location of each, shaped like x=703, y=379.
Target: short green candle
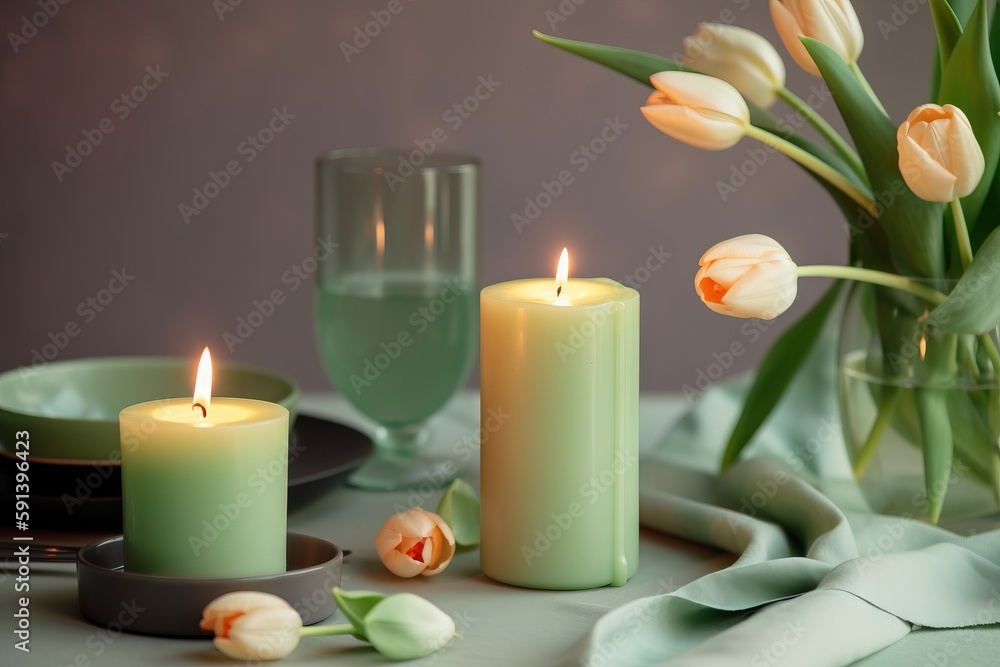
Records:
x=205, y=495
x=560, y=486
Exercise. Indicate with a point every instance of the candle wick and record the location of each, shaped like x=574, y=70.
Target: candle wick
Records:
x=204, y=412
x=558, y=290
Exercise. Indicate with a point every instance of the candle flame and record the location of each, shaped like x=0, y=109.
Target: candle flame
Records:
x=562, y=271
x=203, y=385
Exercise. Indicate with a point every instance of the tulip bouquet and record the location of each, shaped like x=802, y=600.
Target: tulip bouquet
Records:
x=922, y=203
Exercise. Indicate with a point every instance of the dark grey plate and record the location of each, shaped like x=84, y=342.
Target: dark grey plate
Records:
x=321, y=455
x=172, y=606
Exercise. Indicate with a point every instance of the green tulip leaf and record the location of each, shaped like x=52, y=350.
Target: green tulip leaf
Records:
x=973, y=306
x=955, y=13
x=975, y=443
x=356, y=605
x=969, y=81
x=913, y=225
x=938, y=369
x=775, y=373
x=460, y=509
x=935, y=432
x=984, y=225
x=963, y=9
x=948, y=29
x=635, y=64
x=995, y=37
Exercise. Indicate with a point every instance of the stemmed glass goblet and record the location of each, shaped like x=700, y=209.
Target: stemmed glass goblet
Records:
x=396, y=303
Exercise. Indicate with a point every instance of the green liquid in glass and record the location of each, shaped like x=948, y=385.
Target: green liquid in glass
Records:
x=397, y=345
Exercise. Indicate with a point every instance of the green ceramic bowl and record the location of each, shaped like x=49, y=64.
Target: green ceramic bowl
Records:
x=70, y=408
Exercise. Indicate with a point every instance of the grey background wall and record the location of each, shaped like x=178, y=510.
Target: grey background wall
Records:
x=222, y=72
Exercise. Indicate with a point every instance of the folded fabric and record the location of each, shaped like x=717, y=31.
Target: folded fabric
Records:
x=795, y=632
x=817, y=582
x=856, y=584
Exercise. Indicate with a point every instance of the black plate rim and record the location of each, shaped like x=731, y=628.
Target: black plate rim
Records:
x=305, y=485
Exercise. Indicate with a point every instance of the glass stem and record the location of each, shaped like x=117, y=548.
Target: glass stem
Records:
x=404, y=441
x=875, y=278
x=815, y=165
x=824, y=128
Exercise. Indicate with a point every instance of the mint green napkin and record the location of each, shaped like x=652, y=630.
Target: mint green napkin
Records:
x=816, y=583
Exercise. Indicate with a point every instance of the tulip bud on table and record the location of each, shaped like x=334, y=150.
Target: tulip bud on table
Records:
x=560, y=479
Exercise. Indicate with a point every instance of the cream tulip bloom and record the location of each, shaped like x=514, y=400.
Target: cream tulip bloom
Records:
x=747, y=276
x=739, y=57
x=939, y=157
x=415, y=542
x=697, y=109
x=249, y=625
x=832, y=22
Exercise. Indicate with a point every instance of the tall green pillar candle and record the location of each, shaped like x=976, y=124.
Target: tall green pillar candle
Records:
x=204, y=495
x=560, y=492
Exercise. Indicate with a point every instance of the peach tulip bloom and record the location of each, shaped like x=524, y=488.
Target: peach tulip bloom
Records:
x=739, y=57
x=250, y=625
x=697, y=109
x=747, y=276
x=939, y=157
x=832, y=22
x=415, y=542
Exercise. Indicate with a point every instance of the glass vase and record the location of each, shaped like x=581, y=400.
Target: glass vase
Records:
x=920, y=407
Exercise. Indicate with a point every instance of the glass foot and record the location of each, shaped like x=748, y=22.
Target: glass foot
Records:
x=392, y=471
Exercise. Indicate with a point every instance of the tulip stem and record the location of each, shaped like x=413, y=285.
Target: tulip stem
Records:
x=815, y=165
x=965, y=252
x=864, y=83
x=824, y=128
x=327, y=630
x=991, y=351
x=887, y=405
x=961, y=233
x=875, y=278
